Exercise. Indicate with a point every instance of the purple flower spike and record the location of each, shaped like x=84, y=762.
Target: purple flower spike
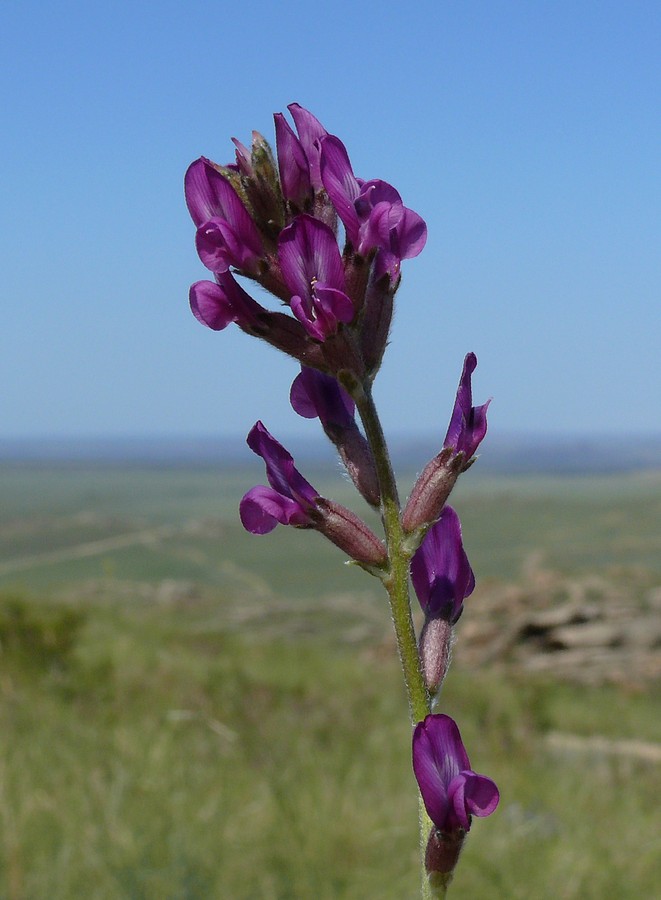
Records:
x=312, y=270
x=226, y=234
x=289, y=501
x=440, y=571
x=468, y=424
x=451, y=791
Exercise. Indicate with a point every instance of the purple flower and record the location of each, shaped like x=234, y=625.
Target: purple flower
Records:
x=290, y=500
x=298, y=157
x=226, y=234
x=216, y=305
x=467, y=428
x=312, y=270
x=468, y=424
x=440, y=571
x=372, y=212
x=310, y=131
x=451, y=791
x=316, y=395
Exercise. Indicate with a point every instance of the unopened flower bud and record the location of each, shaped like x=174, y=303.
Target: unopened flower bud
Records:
x=262, y=188
x=435, y=649
x=376, y=318
x=431, y=490
x=348, y=532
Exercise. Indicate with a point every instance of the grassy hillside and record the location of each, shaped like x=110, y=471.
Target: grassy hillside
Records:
x=191, y=712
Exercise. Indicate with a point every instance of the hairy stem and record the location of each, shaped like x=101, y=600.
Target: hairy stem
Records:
x=396, y=583
x=396, y=580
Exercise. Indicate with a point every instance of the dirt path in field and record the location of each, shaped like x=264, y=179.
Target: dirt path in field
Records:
x=147, y=536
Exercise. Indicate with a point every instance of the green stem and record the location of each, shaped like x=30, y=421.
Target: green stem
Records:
x=396, y=582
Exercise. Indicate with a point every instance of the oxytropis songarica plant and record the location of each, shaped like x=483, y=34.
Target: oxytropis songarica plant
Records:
x=329, y=247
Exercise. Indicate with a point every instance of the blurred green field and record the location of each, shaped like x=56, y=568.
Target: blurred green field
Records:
x=191, y=712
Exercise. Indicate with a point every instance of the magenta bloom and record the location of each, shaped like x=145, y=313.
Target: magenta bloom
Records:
x=312, y=270
x=316, y=395
x=216, y=305
x=440, y=571
x=468, y=424
x=451, y=791
x=372, y=211
x=290, y=500
x=226, y=234
x=298, y=156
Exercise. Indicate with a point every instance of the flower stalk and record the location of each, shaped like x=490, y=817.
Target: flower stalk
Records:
x=273, y=219
x=396, y=579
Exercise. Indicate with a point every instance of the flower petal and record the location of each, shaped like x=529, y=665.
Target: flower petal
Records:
x=468, y=424
x=451, y=791
x=481, y=794
x=292, y=162
x=310, y=131
x=210, y=196
x=283, y=476
x=262, y=508
x=410, y=234
x=432, y=786
x=210, y=305
x=336, y=304
x=317, y=395
x=341, y=184
x=440, y=570
x=308, y=253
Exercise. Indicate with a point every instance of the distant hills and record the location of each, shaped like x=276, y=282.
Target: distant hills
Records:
x=511, y=453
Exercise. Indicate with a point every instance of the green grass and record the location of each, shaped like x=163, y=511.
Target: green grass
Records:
x=166, y=757
x=248, y=738
x=579, y=524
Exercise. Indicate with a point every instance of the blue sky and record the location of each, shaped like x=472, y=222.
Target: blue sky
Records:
x=528, y=135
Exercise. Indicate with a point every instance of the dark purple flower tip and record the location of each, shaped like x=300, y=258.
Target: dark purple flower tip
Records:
x=290, y=500
x=312, y=269
x=310, y=131
x=451, y=791
x=468, y=424
x=317, y=395
x=243, y=158
x=440, y=571
x=216, y=305
x=292, y=163
x=226, y=233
